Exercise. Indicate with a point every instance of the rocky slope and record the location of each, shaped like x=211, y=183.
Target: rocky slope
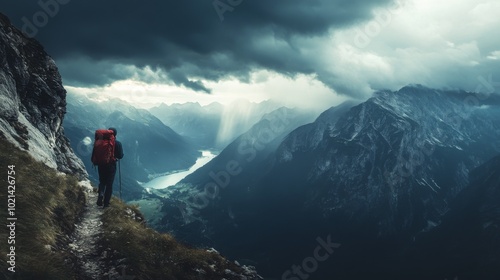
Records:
x=32, y=101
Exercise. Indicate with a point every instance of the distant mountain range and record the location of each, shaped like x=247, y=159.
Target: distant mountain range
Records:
x=374, y=176
x=198, y=123
x=213, y=126
x=150, y=147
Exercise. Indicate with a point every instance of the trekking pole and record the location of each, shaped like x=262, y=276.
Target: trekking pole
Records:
x=120, y=177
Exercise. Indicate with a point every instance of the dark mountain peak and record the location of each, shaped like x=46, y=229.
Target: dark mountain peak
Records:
x=414, y=87
x=421, y=94
x=399, y=140
x=310, y=135
x=445, y=107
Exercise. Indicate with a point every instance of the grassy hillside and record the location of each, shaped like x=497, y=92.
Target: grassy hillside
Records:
x=49, y=204
x=147, y=254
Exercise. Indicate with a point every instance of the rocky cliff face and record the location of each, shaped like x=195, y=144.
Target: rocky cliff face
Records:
x=32, y=101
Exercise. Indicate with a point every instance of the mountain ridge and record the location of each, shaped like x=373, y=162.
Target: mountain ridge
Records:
x=213, y=125
x=385, y=169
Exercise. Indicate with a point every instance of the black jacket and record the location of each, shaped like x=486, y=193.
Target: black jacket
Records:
x=118, y=150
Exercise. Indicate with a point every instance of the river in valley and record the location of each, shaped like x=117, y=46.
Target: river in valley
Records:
x=173, y=178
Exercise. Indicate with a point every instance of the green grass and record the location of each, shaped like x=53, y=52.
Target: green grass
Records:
x=151, y=255
x=48, y=205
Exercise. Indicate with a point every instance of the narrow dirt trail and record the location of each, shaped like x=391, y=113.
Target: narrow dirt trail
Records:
x=84, y=242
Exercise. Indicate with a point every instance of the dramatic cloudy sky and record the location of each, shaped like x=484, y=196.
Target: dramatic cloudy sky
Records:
x=303, y=52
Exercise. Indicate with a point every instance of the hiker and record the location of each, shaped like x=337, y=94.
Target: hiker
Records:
x=106, y=167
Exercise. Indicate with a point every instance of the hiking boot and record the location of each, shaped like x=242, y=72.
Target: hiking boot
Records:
x=99, y=201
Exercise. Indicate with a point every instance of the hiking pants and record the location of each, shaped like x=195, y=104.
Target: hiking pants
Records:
x=106, y=177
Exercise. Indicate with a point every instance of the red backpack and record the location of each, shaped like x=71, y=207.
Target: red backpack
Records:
x=104, y=147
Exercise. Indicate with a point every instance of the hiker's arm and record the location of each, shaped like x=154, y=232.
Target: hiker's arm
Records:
x=118, y=150
x=92, y=156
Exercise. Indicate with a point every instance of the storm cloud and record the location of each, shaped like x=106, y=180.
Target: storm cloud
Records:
x=352, y=46
x=186, y=39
